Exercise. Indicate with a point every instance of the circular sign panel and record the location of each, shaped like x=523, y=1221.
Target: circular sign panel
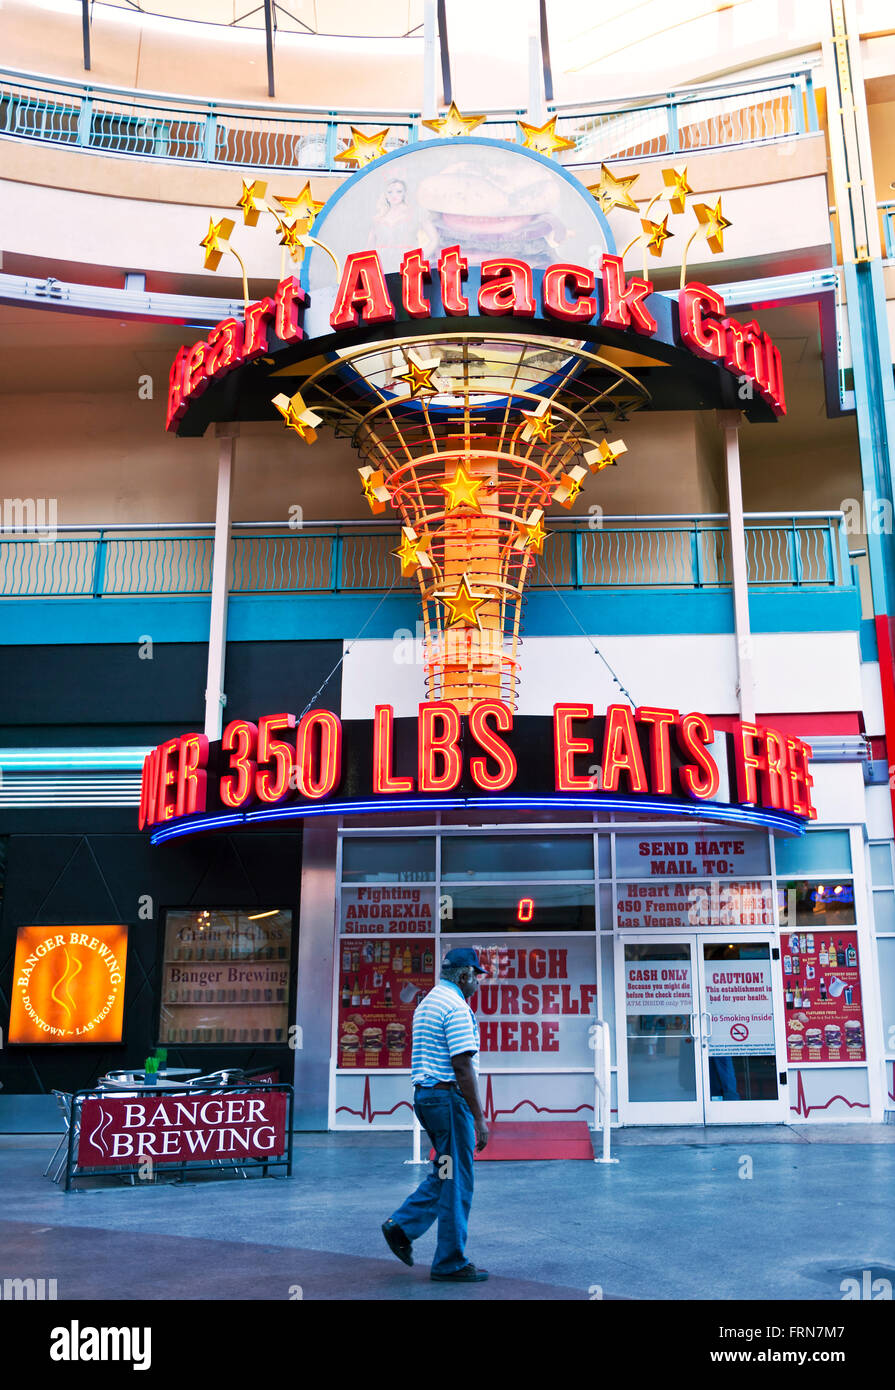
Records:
x=491, y=198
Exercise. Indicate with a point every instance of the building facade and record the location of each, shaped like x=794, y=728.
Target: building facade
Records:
x=732, y=562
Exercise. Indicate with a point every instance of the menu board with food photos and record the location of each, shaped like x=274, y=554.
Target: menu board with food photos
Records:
x=822, y=995
x=381, y=981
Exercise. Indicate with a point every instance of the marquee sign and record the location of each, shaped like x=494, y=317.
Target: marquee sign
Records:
x=652, y=758
x=562, y=294
x=68, y=984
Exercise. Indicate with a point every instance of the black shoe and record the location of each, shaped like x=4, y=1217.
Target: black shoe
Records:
x=467, y=1274
x=397, y=1242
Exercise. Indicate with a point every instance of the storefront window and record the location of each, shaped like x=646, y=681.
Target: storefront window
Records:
x=516, y=857
x=817, y=852
x=519, y=907
x=815, y=902
x=404, y=859
x=226, y=976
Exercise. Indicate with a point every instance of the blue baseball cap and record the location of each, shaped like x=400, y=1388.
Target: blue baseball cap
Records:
x=465, y=956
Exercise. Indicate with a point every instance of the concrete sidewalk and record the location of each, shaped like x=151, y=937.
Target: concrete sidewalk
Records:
x=679, y=1217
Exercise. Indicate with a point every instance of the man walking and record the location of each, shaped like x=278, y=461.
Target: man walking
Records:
x=446, y=1099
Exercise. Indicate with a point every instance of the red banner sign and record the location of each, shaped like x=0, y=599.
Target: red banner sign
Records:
x=119, y=1131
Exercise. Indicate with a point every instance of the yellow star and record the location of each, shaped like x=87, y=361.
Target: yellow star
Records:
x=612, y=192
x=413, y=551
x=605, y=454
x=657, y=234
x=296, y=416
x=570, y=486
x=463, y=605
x=216, y=241
x=375, y=491
x=453, y=123
x=461, y=490
x=539, y=424
x=304, y=207
x=363, y=148
x=418, y=378
x=713, y=222
x=292, y=237
x=253, y=201
x=531, y=534
x=543, y=138
x=676, y=179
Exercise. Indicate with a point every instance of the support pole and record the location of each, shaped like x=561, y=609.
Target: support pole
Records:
x=430, y=60
x=269, y=25
x=537, y=106
x=217, y=628
x=447, y=92
x=729, y=422
x=85, y=32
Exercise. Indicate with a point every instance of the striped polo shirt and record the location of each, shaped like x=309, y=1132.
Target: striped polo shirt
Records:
x=443, y=1027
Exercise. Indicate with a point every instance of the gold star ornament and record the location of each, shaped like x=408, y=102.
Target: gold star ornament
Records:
x=363, y=149
x=538, y=424
x=463, y=605
x=603, y=455
x=216, y=241
x=296, y=416
x=570, y=486
x=656, y=234
x=303, y=208
x=253, y=202
x=531, y=534
x=292, y=236
x=375, y=491
x=543, y=138
x=461, y=490
x=419, y=376
x=612, y=192
x=712, y=221
x=454, y=123
x=676, y=180
x=413, y=551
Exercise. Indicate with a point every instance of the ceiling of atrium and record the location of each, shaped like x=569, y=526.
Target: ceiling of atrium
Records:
x=343, y=18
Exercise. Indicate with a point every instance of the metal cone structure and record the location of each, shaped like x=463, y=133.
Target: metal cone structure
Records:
x=470, y=440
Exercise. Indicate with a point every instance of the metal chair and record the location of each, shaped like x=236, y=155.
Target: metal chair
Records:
x=63, y=1100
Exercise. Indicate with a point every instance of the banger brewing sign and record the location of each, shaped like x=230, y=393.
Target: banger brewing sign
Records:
x=117, y=1131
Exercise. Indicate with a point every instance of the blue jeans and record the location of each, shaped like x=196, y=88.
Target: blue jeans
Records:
x=447, y=1120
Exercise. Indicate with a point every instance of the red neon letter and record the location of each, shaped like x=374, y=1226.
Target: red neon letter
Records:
x=362, y=283
x=800, y=778
x=452, y=267
x=191, y=776
x=703, y=336
x=493, y=746
x=414, y=271
x=269, y=787
x=659, y=746
x=621, y=751
x=149, y=790
x=774, y=368
x=748, y=762
x=289, y=299
x=195, y=372
x=694, y=732
x=565, y=746
x=509, y=290
x=167, y=776
x=176, y=403
x=556, y=284
x=623, y=305
x=443, y=745
x=242, y=738
x=256, y=316
x=775, y=783
x=745, y=351
x=383, y=741
x=329, y=764
x=224, y=347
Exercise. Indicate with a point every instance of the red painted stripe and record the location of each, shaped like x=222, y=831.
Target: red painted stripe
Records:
x=884, y=642
x=836, y=722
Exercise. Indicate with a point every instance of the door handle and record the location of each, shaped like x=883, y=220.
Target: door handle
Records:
x=707, y=1031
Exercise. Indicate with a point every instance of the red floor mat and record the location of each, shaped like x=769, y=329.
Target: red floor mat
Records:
x=527, y=1139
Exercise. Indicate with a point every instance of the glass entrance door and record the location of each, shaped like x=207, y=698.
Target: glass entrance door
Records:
x=660, y=1075
x=700, y=1030
x=740, y=1022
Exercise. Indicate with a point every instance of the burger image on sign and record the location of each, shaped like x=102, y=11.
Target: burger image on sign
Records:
x=491, y=211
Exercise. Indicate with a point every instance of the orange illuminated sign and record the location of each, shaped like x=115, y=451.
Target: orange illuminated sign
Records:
x=68, y=985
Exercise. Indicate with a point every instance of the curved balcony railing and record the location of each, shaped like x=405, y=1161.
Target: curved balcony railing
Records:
x=110, y=120
x=805, y=551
